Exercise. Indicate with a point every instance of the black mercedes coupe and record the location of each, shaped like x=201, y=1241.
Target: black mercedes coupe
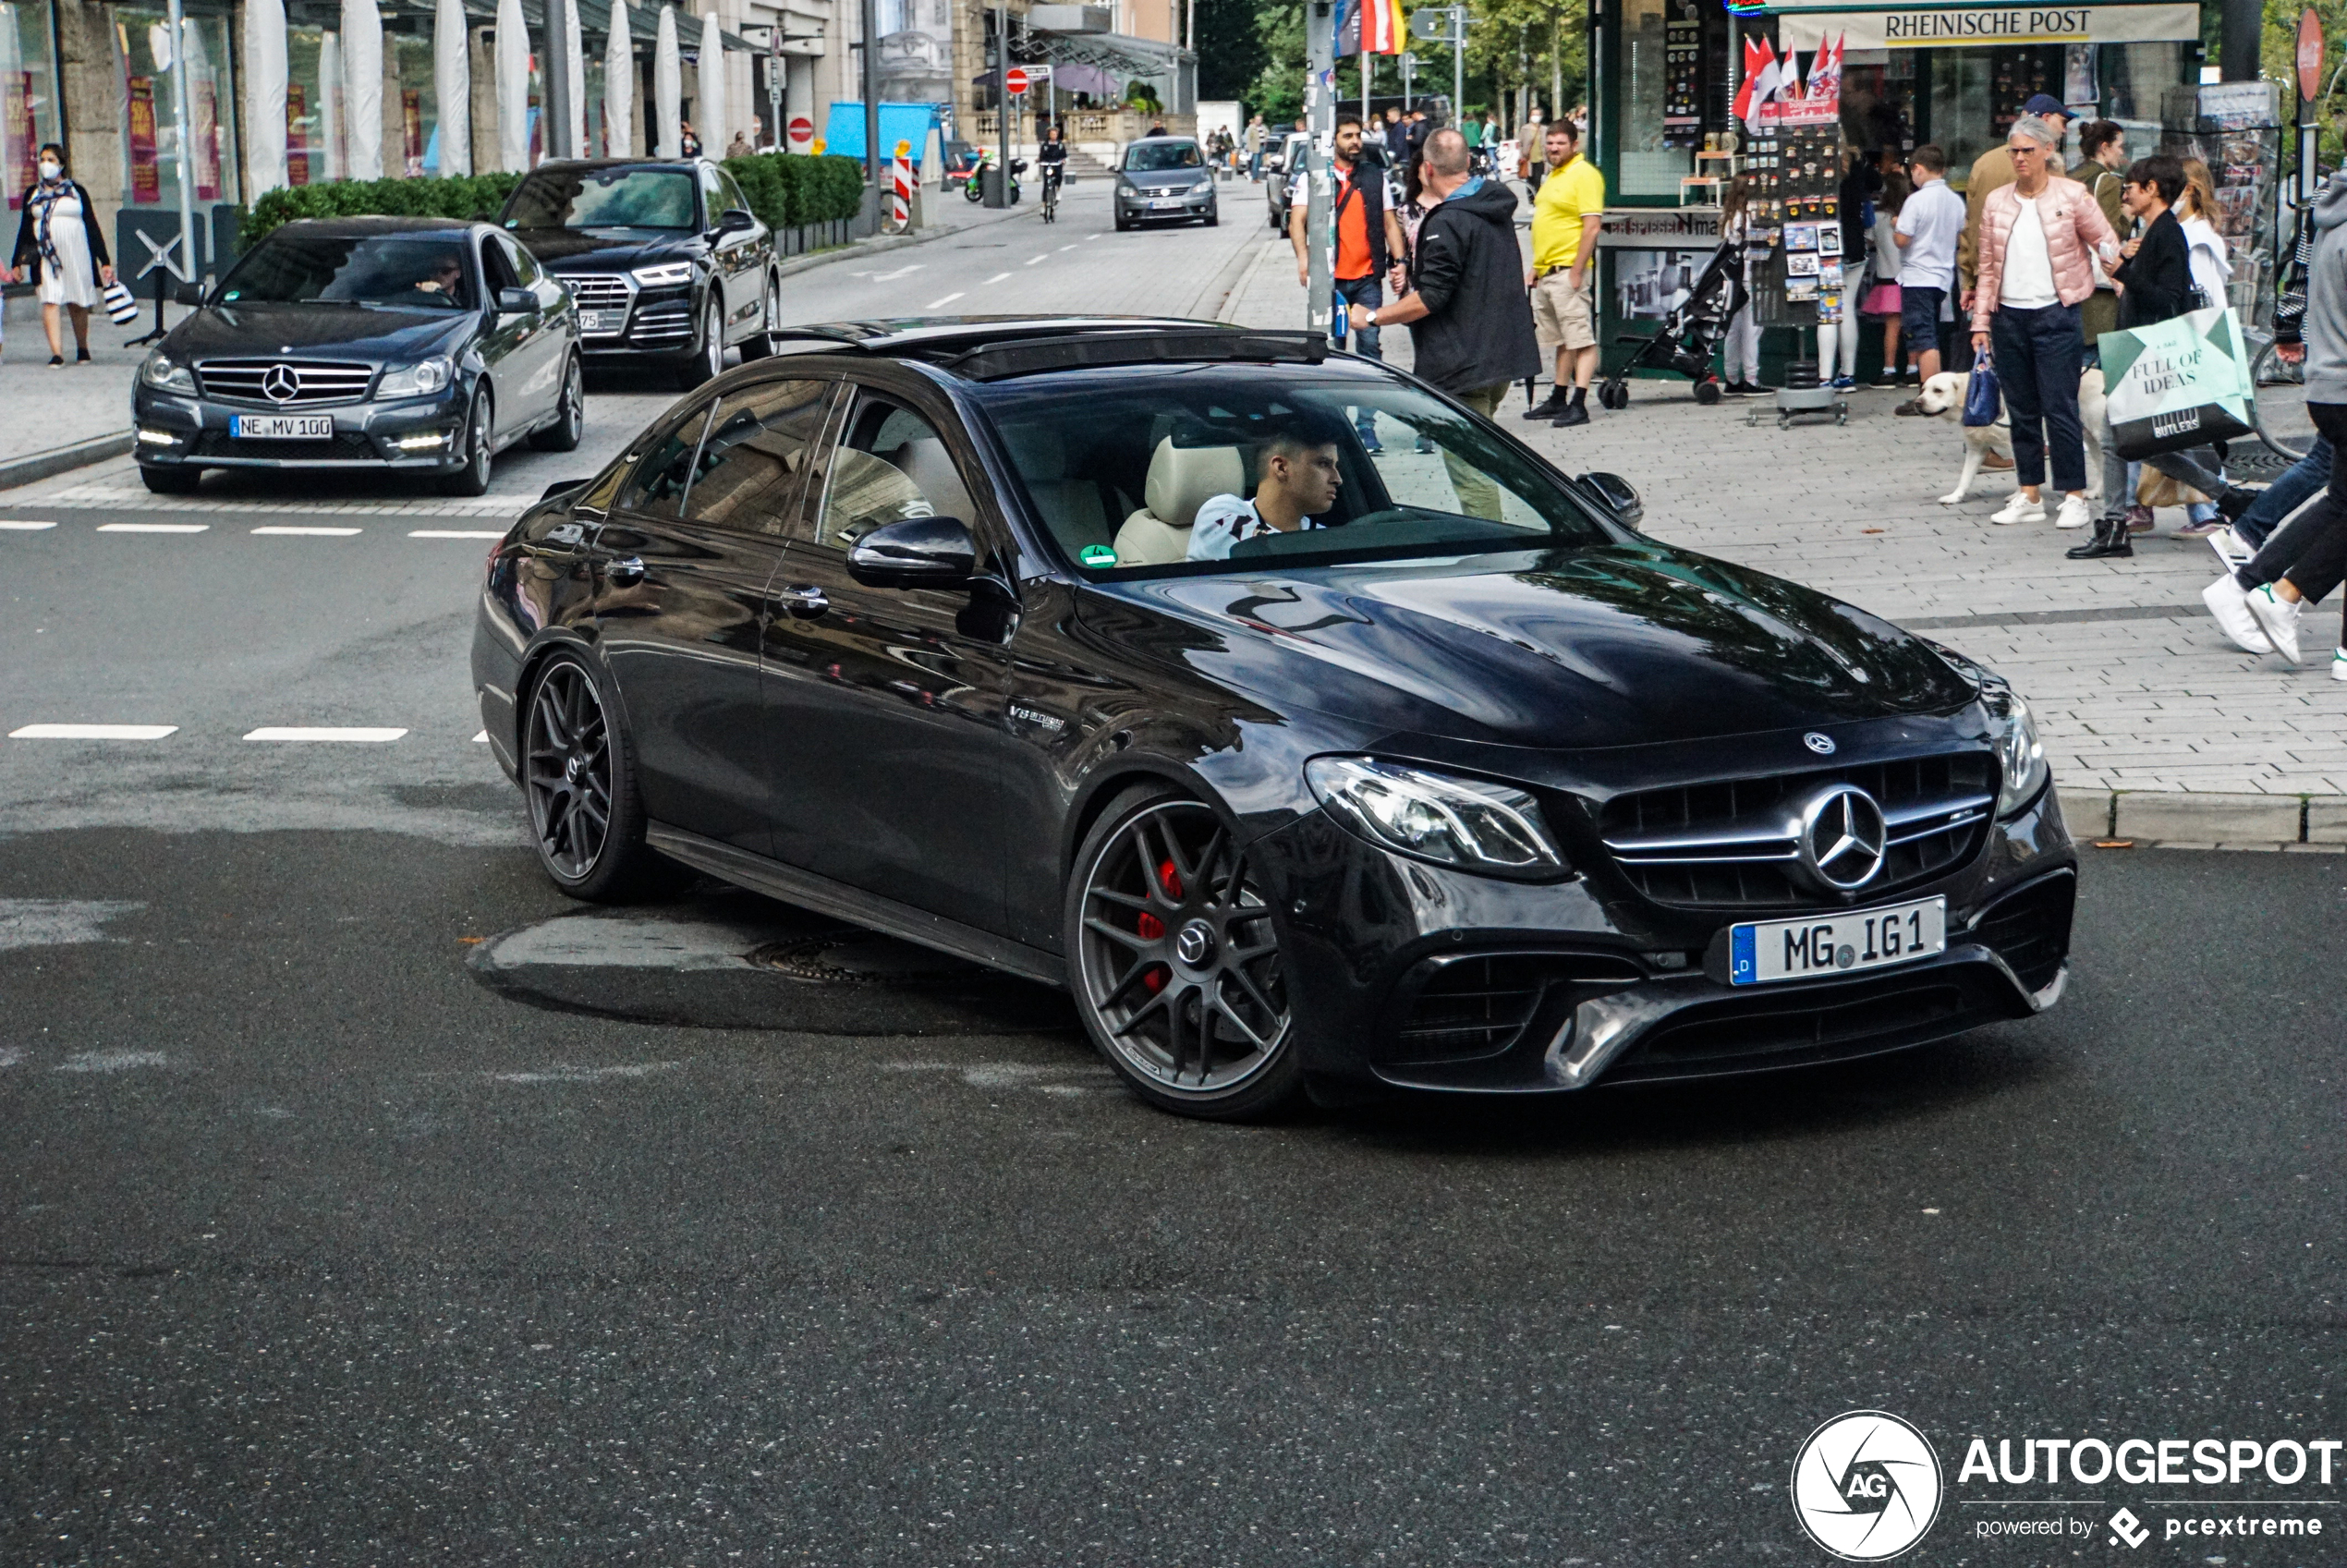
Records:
x=410, y=344
x=1106, y=652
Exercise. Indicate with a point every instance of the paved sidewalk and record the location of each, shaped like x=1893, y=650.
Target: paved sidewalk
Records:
x=43, y=409
x=2136, y=687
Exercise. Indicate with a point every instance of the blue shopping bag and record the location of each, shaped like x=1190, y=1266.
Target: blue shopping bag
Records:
x=1983, y=399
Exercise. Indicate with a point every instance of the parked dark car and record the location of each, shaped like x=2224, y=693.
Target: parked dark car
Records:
x=1283, y=150
x=667, y=261
x=1165, y=178
x=421, y=343
x=1470, y=787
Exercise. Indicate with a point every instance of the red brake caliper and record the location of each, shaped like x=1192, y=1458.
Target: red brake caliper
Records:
x=1151, y=927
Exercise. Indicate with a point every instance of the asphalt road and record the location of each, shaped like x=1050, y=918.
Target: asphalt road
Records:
x=364, y=1201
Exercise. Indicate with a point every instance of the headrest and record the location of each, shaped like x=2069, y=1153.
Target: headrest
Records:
x=1039, y=452
x=1182, y=479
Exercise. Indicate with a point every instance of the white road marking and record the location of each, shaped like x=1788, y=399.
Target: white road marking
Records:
x=901, y=272
x=997, y=278
x=57, y=922
x=152, y=528
x=109, y=1061
x=25, y=528
x=936, y=304
x=297, y=732
x=309, y=533
x=1045, y=257
x=585, y=1074
x=1067, y=247
x=453, y=533
x=481, y=739
x=93, y=732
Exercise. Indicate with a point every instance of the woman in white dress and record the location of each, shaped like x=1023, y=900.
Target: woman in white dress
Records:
x=59, y=245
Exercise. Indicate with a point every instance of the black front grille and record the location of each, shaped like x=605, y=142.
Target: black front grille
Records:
x=1748, y=1034
x=1463, y=1008
x=2030, y=930
x=348, y=446
x=1730, y=845
x=302, y=384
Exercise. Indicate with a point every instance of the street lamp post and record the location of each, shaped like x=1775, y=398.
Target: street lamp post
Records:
x=1320, y=109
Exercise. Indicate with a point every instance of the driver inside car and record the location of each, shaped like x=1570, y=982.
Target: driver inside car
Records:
x=443, y=280
x=1297, y=479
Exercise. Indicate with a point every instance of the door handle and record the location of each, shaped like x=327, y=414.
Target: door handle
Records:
x=626, y=572
x=565, y=534
x=804, y=601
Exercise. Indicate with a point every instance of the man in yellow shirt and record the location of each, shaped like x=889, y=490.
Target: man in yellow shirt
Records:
x=1564, y=258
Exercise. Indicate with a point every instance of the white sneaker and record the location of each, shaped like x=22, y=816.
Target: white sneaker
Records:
x=2231, y=548
x=2339, y=664
x=2020, y=510
x=2278, y=618
x=2229, y=602
x=2072, y=512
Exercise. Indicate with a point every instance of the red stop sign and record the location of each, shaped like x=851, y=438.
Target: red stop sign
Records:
x=802, y=129
x=2310, y=54
x=1015, y=82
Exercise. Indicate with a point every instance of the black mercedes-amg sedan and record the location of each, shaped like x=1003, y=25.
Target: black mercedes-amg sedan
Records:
x=365, y=343
x=668, y=263
x=1107, y=653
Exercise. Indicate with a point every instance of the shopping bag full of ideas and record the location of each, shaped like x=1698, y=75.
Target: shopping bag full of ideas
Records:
x=2176, y=384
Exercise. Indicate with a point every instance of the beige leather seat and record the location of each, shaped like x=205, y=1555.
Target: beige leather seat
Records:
x=1181, y=479
x=1071, y=508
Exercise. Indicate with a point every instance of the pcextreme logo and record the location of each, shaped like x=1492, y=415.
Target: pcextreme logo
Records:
x=1867, y=1486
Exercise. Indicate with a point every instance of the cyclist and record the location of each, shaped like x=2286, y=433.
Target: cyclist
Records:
x=1053, y=155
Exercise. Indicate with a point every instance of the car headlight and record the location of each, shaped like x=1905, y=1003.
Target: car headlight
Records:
x=1126, y=187
x=1469, y=824
x=414, y=381
x=667, y=275
x=167, y=375
x=2021, y=756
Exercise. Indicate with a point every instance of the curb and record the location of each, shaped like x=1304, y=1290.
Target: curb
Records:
x=2192, y=818
x=62, y=459
x=1229, y=283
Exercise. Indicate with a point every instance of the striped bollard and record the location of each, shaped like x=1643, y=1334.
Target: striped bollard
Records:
x=902, y=198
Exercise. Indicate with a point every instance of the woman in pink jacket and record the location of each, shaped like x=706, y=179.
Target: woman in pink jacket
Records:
x=2037, y=237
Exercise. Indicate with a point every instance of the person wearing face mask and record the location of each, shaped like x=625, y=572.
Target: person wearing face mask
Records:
x=60, y=248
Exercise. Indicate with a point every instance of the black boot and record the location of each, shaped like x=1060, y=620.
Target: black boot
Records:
x=1576, y=411
x=2236, y=500
x=2112, y=538
x=1549, y=407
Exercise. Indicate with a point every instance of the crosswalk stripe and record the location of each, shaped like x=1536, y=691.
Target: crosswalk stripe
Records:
x=293, y=731
x=309, y=533
x=456, y=533
x=152, y=528
x=26, y=528
x=93, y=732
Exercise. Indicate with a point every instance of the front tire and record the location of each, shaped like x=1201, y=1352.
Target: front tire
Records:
x=578, y=777
x=709, y=362
x=769, y=339
x=171, y=481
x=1174, y=959
x=570, y=414
x=479, y=438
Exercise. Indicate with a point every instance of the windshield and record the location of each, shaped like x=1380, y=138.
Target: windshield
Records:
x=603, y=199
x=1220, y=468
x=1158, y=153
x=409, y=272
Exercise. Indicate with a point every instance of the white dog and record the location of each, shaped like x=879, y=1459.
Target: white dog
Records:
x=1944, y=393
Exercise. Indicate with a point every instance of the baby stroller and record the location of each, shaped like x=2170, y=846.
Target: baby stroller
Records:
x=1690, y=334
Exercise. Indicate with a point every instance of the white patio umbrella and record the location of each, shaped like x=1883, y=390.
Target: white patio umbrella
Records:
x=668, y=89
x=451, y=87
x=619, y=87
x=576, y=76
x=264, y=64
x=513, y=88
x=711, y=107
x=325, y=159
x=363, y=93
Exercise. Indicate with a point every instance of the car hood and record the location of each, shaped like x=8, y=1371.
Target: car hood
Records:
x=1564, y=649
x=257, y=332
x=604, y=250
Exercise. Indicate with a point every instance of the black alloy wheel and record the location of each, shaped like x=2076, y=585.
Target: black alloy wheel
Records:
x=570, y=414
x=1176, y=961
x=708, y=362
x=170, y=482
x=479, y=447
x=768, y=341
x=577, y=773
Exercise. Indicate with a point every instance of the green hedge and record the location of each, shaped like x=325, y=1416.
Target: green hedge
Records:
x=786, y=190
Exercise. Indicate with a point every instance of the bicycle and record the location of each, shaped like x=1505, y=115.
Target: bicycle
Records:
x=2279, y=407
x=1052, y=179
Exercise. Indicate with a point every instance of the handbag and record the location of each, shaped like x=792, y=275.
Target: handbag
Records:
x=1983, y=398
x=121, y=309
x=2176, y=384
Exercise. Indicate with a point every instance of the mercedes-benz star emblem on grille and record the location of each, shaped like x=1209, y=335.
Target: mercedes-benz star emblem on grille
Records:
x=1843, y=838
x=278, y=383
x=1820, y=743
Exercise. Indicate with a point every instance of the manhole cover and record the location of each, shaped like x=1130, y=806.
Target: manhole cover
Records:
x=849, y=957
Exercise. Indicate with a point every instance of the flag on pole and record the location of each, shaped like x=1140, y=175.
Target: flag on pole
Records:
x=1825, y=70
x=1383, y=28
x=1348, y=28
x=1764, y=83
x=1754, y=58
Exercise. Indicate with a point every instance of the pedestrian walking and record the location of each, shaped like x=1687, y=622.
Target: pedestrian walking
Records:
x=1255, y=134
x=1881, y=300
x=740, y=146
x=2037, y=238
x=1367, y=234
x=1742, y=352
x=1396, y=134
x=1839, y=290
x=1532, y=139
x=62, y=252
x=1930, y=222
x=1470, y=321
x=2102, y=150
x=1567, y=214
x=1991, y=171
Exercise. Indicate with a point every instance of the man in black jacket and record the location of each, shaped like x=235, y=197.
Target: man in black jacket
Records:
x=1470, y=321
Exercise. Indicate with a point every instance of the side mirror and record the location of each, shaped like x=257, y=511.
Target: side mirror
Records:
x=516, y=302
x=1620, y=496
x=916, y=553
x=735, y=221
x=188, y=294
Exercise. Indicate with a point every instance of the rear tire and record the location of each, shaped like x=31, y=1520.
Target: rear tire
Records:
x=570, y=414
x=1276, y=225
x=480, y=439
x=579, y=780
x=171, y=481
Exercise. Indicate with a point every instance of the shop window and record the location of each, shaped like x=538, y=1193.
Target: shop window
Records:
x=413, y=147
x=314, y=105
x=150, y=146
x=27, y=95
x=1648, y=165
x=2135, y=79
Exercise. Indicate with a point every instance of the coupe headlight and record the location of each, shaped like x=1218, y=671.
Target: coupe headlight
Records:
x=2023, y=770
x=1126, y=187
x=167, y=375
x=416, y=380
x=1469, y=824
x=665, y=276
